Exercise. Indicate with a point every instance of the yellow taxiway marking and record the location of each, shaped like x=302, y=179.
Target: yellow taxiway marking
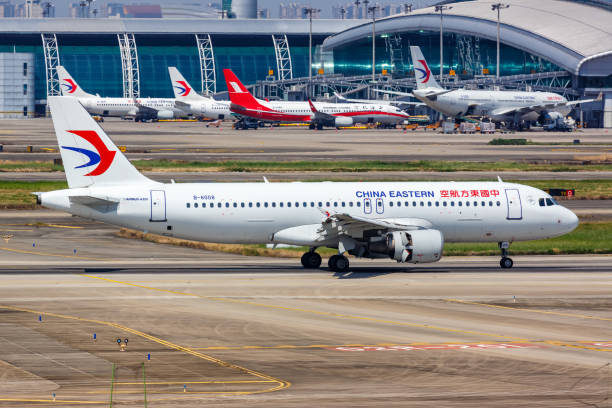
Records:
x=530, y=310
x=577, y=346
x=62, y=226
x=15, y=230
x=317, y=312
x=282, y=384
x=22, y=251
x=51, y=401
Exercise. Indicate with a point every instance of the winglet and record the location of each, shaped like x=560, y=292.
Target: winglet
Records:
x=312, y=107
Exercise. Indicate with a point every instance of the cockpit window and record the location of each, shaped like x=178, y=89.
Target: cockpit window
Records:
x=542, y=202
x=549, y=202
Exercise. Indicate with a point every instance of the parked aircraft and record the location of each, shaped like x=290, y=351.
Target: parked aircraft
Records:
x=141, y=109
x=403, y=221
x=316, y=114
x=188, y=100
x=500, y=106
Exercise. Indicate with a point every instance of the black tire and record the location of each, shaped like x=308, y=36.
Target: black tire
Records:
x=311, y=126
x=311, y=260
x=342, y=264
x=506, y=263
x=331, y=263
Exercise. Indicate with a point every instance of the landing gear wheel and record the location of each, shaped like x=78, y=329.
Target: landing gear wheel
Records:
x=311, y=126
x=338, y=263
x=311, y=260
x=505, y=263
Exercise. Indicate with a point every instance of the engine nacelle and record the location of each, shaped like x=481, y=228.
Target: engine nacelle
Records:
x=418, y=246
x=343, y=121
x=165, y=114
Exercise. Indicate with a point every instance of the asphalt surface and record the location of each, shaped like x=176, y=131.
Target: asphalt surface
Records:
x=217, y=329
x=193, y=141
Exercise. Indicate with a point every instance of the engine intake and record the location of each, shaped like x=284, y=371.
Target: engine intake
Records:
x=418, y=246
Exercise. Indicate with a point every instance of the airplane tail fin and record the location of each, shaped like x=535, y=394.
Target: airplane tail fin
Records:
x=69, y=86
x=89, y=156
x=424, y=76
x=182, y=90
x=238, y=93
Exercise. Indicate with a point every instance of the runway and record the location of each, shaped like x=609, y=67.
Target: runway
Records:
x=225, y=330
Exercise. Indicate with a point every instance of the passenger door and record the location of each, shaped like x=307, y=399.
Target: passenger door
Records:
x=158, y=206
x=513, y=200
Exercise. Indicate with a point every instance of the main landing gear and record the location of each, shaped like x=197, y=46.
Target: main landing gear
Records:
x=505, y=262
x=338, y=263
x=311, y=260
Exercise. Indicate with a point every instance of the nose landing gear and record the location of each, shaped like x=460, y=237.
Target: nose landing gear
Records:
x=505, y=262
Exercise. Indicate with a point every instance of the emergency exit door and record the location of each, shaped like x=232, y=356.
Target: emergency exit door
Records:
x=158, y=206
x=513, y=199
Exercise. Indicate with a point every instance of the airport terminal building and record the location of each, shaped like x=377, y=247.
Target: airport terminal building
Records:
x=568, y=41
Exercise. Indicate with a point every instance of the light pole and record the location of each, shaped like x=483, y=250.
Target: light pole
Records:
x=407, y=8
x=309, y=11
x=356, y=9
x=441, y=10
x=373, y=11
x=498, y=7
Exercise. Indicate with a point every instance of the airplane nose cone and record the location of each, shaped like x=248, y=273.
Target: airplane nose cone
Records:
x=569, y=220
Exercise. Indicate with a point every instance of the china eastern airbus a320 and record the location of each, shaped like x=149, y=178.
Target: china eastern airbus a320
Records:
x=141, y=109
x=403, y=221
x=509, y=106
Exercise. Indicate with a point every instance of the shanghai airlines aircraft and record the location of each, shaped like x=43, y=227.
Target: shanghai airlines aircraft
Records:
x=189, y=101
x=403, y=221
x=317, y=115
x=140, y=109
x=508, y=106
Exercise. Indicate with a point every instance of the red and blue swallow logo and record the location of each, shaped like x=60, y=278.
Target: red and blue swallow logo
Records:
x=70, y=85
x=183, y=88
x=426, y=73
x=102, y=156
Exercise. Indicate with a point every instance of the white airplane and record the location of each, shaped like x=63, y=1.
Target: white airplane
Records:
x=141, y=109
x=507, y=106
x=403, y=221
x=317, y=115
x=189, y=101
x=344, y=99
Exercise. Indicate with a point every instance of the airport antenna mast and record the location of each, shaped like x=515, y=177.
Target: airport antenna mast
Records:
x=441, y=10
x=498, y=7
x=308, y=11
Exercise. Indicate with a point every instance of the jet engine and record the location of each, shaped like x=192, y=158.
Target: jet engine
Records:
x=165, y=114
x=418, y=246
x=343, y=121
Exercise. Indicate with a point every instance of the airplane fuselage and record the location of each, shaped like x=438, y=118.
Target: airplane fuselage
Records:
x=293, y=112
x=211, y=109
x=462, y=102
x=130, y=107
x=254, y=212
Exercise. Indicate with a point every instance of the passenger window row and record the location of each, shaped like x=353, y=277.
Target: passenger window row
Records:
x=349, y=204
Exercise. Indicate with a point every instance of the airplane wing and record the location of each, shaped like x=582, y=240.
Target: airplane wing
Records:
x=96, y=202
x=543, y=106
x=433, y=92
x=393, y=103
x=321, y=116
x=354, y=226
x=182, y=105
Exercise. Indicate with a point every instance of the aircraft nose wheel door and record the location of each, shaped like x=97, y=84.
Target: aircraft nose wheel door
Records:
x=158, y=206
x=513, y=199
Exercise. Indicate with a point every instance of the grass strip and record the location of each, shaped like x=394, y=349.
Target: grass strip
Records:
x=332, y=165
x=588, y=238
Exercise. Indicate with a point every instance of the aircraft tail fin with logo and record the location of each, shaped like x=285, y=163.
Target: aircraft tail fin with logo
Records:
x=89, y=156
x=69, y=86
x=238, y=93
x=183, y=91
x=424, y=77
